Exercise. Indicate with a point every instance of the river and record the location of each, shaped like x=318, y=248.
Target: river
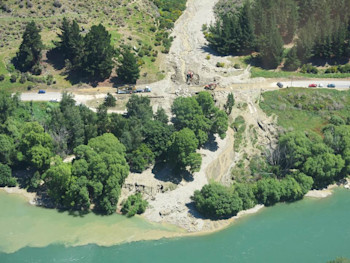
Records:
x=311, y=230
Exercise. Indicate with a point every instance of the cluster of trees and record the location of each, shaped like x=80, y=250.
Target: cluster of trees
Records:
x=299, y=163
x=218, y=201
x=105, y=146
x=95, y=177
x=323, y=30
x=91, y=56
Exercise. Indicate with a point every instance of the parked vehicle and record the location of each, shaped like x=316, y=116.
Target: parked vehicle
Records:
x=320, y=85
x=331, y=85
x=41, y=91
x=313, y=85
x=147, y=89
x=280, y=85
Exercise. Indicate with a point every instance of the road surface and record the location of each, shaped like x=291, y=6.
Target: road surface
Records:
x=339, y=84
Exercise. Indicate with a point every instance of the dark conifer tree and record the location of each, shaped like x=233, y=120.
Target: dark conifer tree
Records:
x=271, y=46
x=292, y=61
x=246, y=25
x=98, y=53
x=29, y=54
x=129, y=70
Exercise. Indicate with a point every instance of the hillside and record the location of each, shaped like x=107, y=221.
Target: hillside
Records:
x=142, y=24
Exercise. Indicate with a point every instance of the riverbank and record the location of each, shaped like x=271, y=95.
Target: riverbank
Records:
x=30, y=197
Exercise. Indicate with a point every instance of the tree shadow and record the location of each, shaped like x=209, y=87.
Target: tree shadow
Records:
x=23, y=177
x=55, y=58
x=321, y=62
x=211, y=51
x=169, y=173
x=193, y=211
x=211, y=144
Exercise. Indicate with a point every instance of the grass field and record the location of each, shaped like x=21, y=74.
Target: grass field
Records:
x=258, y=72
x=306, y=109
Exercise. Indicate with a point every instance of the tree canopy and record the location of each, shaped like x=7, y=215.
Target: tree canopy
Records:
x=29, y=54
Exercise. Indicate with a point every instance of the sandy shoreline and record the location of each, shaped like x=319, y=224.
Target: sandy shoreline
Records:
x=31, y=197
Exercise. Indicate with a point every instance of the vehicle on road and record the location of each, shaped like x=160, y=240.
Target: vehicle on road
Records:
x=147, y=89
x=320, y=85
x=54, y=101
x=280, y=85
x=41, y=91
x=313, y=85
x=331, y=85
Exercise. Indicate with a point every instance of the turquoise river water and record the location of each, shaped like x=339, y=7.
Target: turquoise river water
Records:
x=311, y=230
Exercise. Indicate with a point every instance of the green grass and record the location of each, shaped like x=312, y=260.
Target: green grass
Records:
x=258, y=72
x=306, y=109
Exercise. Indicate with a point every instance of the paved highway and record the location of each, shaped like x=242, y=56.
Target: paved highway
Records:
x=339, y=84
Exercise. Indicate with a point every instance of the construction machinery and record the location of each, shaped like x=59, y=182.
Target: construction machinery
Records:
x=192, y=78
x=211, y=86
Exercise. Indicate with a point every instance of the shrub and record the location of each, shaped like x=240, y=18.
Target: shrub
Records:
x=49, y=80
x=220, y=64
x=344, y=69
x=57, y=4
x=308, y=68
x=23, y=79
x=333, y=69
x=336, y=120
x=134, y=205
x=30, y=87
x=13, y=78
x=2, y=77
x=36, y=70
x=237, y=66
x=207, y=57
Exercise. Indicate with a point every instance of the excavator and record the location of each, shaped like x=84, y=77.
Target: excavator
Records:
x=211, y=86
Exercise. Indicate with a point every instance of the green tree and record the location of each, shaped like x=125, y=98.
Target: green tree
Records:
x=129, y=70
x=6, y=106
x=134, y=205
x=139, y=107
x=246, y=23
x=58, y=178
x=271, y=45
x=99, y=52
x=29, y=54
x=141, y=158
x=188, y=114
x=217, y=201
x=182, y=150
x=7, y=150
x=324, y=168
x=71, y=43
x=157, y=135
x=229, y=103
x=6, y=178
x=246, y=193
x=36, y=145
x=268, y=191
x=292, y=61
x=109, y=100
x=161, y=116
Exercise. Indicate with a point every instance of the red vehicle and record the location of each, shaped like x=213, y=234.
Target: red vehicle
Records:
x=313, y=85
